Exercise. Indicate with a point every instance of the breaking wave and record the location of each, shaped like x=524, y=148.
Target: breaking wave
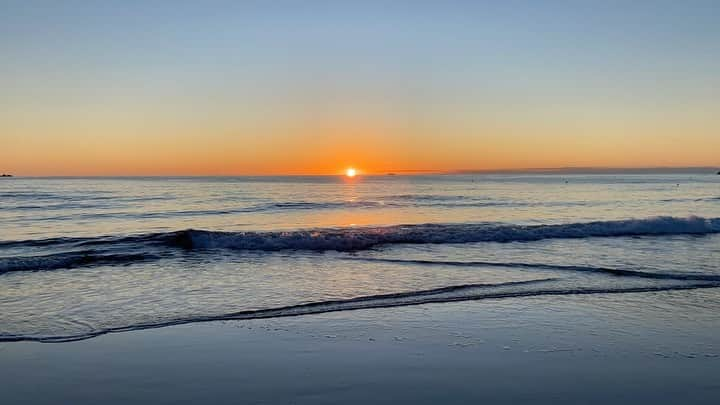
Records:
x=69, y=260
x=363, y=238
x=354, y=239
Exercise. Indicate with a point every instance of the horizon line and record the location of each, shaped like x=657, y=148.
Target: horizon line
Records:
x=414, y=172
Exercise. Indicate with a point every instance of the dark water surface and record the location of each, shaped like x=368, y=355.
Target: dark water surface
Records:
x=81, y=257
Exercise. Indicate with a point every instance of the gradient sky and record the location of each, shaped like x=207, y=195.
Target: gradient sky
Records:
x=269, y=87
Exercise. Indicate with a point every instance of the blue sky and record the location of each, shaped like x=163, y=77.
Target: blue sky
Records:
x=481, y=71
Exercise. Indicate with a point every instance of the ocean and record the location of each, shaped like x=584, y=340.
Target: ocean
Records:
x=83, y=257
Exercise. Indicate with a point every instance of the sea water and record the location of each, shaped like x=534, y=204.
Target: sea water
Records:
x=81, y=257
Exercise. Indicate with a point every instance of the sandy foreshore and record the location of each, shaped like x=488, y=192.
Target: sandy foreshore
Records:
x=575, y=349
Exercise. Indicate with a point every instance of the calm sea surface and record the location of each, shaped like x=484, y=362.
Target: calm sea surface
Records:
x=81, y=257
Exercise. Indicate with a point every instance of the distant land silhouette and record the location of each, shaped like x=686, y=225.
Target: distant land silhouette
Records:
x=599, y=170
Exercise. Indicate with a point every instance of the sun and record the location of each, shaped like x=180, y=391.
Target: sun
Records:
x=350, y=172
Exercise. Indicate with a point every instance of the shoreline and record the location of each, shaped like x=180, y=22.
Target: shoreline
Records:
x=534, y=350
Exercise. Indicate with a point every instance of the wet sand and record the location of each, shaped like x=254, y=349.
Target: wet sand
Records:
x=575, y=349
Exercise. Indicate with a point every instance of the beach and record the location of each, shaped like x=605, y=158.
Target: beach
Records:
x=565, y=350
x=376, y=289
x=359, y=202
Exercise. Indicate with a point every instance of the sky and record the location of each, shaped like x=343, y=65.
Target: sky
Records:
x=312, y=87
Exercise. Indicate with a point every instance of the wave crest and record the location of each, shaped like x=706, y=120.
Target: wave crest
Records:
x=69, y=260
x=354, y=239
x=363, y=238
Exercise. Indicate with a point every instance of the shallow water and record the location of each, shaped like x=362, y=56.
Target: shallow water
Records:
x=81, y=257
x=657, y=347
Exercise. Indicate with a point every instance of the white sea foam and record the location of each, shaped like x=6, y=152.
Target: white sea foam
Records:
x=350, y=239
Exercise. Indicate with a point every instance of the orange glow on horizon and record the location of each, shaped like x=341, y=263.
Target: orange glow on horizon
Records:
x=318, y=145
x=357, y=93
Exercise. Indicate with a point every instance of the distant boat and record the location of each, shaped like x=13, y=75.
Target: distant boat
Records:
x=718, y=173
x=10, y=175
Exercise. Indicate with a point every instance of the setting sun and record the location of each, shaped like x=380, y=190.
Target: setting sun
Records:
x=350, y=172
